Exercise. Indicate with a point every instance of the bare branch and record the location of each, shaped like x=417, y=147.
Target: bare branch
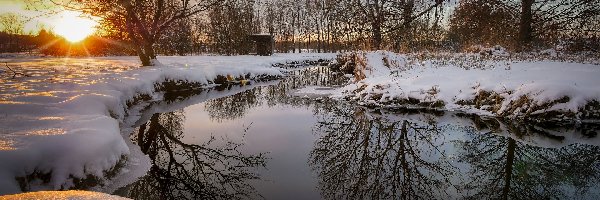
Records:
x=14, y=72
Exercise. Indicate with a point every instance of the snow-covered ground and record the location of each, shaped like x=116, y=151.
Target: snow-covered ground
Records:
x=64, y=117
x=71, y=195
x=488, y=87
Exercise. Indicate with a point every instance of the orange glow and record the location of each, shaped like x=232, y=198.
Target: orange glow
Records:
x=73, y=27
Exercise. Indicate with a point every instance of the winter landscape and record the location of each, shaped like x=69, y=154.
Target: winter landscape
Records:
x=317, y=99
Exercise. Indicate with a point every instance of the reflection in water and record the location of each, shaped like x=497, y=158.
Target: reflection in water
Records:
x=191, y=171
x=503, y=168
x=361, y=156
x=236, y=106
x=365, y=154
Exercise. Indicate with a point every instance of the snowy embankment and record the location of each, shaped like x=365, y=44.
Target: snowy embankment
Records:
x=495, y=87
x=61, y=123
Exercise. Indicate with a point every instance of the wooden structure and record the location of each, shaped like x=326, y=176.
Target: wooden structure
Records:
x=263, y=44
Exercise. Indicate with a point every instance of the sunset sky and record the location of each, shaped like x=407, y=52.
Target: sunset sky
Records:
x=36, y=19
x=69, y=24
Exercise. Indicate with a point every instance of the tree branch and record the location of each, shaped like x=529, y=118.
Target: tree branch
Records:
x=14, y=72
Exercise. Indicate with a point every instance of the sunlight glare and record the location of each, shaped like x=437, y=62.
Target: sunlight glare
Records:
x=74, y=27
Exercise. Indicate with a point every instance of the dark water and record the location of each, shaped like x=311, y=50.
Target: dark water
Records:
x=267, y=143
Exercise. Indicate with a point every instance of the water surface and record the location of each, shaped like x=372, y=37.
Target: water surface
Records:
x=265, y=142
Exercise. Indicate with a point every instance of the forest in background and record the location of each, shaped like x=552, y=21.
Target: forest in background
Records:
x=346, y=25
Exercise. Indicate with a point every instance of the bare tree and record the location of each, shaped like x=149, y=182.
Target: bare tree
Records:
x=479, y=22
x=229, y=26
x=549, y=18
x=12, y=25
x=385, y=16
x=144, y=22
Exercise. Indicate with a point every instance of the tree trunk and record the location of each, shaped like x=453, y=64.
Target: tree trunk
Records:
x=147, y=54
x=525, y=30
x=145, y=59
x=318, y=24
x=377, y=38
x=407, y=17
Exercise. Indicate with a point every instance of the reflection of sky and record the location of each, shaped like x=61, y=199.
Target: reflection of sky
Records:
x=286, y=133
x=282, y=131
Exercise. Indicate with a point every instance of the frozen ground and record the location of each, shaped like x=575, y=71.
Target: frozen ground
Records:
x=63, y=119
x=495, y=87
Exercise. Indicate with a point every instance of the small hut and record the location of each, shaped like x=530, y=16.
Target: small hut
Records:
x=263, y=44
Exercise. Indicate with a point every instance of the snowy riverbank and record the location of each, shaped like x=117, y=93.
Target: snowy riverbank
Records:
x=63, y=120
x=493, y=87
x=70, y=118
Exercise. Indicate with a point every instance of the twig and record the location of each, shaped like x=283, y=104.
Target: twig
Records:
x=14, y=72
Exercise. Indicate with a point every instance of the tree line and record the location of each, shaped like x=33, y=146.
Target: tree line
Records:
x=185, y=27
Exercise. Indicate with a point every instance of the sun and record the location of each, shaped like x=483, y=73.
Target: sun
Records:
x=73, y=27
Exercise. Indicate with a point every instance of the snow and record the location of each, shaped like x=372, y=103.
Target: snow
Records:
x=69, y=118
x=73, y=195
x=431, y=81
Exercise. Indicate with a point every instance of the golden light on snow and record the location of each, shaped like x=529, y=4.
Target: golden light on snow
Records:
x=73, y=27
x=7, y=145
x=72, y=194
x=51, y=118
x=46, y=132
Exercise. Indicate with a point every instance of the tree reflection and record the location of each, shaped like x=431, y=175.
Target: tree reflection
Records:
x=362, y=156
x=190, y=171
x=237, y=105
x=233, y=107
x=503, y=168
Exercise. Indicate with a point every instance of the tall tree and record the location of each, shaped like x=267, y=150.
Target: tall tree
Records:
x=143, y=21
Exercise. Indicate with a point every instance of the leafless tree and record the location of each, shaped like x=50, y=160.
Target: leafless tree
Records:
x=11, y=28
x=144, y=22
x=548, y=18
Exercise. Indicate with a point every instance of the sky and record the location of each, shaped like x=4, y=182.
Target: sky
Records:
x=47, y=19
x=35, y=19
